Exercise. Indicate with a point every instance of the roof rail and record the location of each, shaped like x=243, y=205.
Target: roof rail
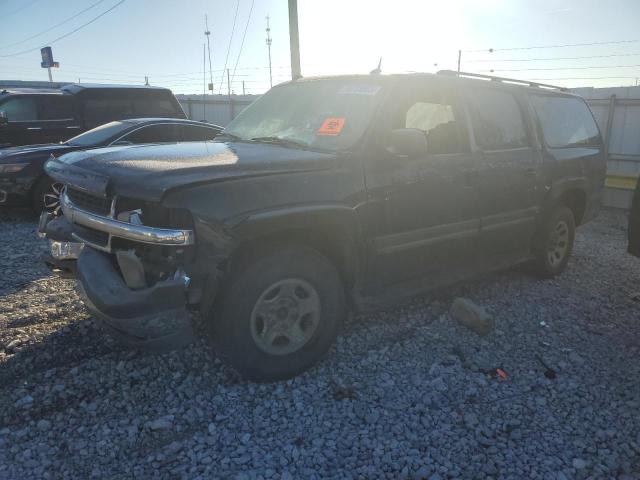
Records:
x=502, y=79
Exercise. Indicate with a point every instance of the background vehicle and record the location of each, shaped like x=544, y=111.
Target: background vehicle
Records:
x=325, y=194
x=32, y=116
x=634, y=223
x=22, y=178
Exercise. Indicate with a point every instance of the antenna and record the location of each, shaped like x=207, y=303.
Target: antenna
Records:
x=378, y=70
x=207, y=33
x=268, y=41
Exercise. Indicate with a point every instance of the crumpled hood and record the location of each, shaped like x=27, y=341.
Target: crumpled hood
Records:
x=148, y=171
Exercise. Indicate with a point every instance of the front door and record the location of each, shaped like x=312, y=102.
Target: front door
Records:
x=23, y=127
x=426, y=219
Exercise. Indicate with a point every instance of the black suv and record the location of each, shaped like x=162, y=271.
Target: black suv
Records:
x=29, y=116
x=325, y=195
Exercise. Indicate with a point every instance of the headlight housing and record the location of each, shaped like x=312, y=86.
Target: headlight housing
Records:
x=12, y=167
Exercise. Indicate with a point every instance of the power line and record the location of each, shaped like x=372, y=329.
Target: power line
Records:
x=246, y=27
x=552, y=46
x=19, y=9
x=487, y=60
x=560, y=68
x=581, y=78
x=54, y=26
x=66, y=34
x=233, y=29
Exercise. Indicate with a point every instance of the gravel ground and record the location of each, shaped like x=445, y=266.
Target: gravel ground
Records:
x=404, y=394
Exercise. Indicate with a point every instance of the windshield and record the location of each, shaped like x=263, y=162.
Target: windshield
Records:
x=323, y=114
x=99, y=135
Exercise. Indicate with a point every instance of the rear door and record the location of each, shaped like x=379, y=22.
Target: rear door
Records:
x=509, y=173
x=427, y=211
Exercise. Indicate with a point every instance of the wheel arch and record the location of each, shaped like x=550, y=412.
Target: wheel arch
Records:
x=572, y=194
x=331, y=230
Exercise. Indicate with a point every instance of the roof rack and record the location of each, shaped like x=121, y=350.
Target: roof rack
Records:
x=502, y=79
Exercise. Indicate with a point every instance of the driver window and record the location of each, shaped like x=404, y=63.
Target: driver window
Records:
x=428, y=110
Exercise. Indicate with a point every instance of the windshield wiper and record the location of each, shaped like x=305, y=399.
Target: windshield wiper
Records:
x=285, y=142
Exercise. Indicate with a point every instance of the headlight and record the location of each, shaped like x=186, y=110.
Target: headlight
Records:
x=12, y=167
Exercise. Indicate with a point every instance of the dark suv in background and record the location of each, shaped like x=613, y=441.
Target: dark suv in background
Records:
x=31, y=116
x=325, y=195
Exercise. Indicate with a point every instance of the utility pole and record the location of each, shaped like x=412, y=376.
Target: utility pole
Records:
x=459, y=60
x=243, y=91
x=204, y=82
x=146, y=81
x=207, y=33
x=229, y=93
x=294, y=40
x=269, y=48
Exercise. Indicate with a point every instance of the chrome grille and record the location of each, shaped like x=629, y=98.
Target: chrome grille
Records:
x=88, y=202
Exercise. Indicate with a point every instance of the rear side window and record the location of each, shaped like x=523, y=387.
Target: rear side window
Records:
x=565, y=121
x=56, y=107
x=102, y=110
x=155, y=134
x=20, y=109
x=154, y=107
x=195, y=133
x=497, y=120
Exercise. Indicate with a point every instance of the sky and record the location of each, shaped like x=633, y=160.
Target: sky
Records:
x=164, y=39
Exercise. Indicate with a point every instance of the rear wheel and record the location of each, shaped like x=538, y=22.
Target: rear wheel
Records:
x=556, y=242
x=279, y=315
x=46, y=196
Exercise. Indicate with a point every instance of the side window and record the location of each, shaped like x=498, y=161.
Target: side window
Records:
x=195, y=133
x=102, y=110
x=497, y=119
x=56, y=107
x=154, y=107
x=20, y=109
x=155, y=134
x=565, y=121
x=427, y=108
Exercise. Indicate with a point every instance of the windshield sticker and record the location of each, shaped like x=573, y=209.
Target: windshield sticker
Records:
x=331, y=126
x=362, y=89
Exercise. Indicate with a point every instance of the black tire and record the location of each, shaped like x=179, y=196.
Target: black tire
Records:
x=555, y=243
x=45, y=187
x=233, y=321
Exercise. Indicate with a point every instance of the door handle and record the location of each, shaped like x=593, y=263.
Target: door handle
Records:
x=34, y=128
x=73, y=127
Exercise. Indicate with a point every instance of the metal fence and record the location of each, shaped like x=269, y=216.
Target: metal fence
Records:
x=218, y=109
x=617, y=111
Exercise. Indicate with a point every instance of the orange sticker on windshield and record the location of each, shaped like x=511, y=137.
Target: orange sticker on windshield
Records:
x=331, y=126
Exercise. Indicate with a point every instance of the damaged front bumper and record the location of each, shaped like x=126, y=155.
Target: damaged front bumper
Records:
x=63, y=249
x=115, y=284
x=153, y=318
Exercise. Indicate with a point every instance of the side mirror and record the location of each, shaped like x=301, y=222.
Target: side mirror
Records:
x=4, y=120
x=408, y=142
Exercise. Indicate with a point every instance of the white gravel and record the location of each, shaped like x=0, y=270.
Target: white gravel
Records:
x=404, y=394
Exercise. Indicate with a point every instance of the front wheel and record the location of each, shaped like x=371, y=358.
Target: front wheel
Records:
x=46, y=196
x=556, y=242
x=279, y=315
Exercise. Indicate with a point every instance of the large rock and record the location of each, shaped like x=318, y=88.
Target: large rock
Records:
x=472, y=316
